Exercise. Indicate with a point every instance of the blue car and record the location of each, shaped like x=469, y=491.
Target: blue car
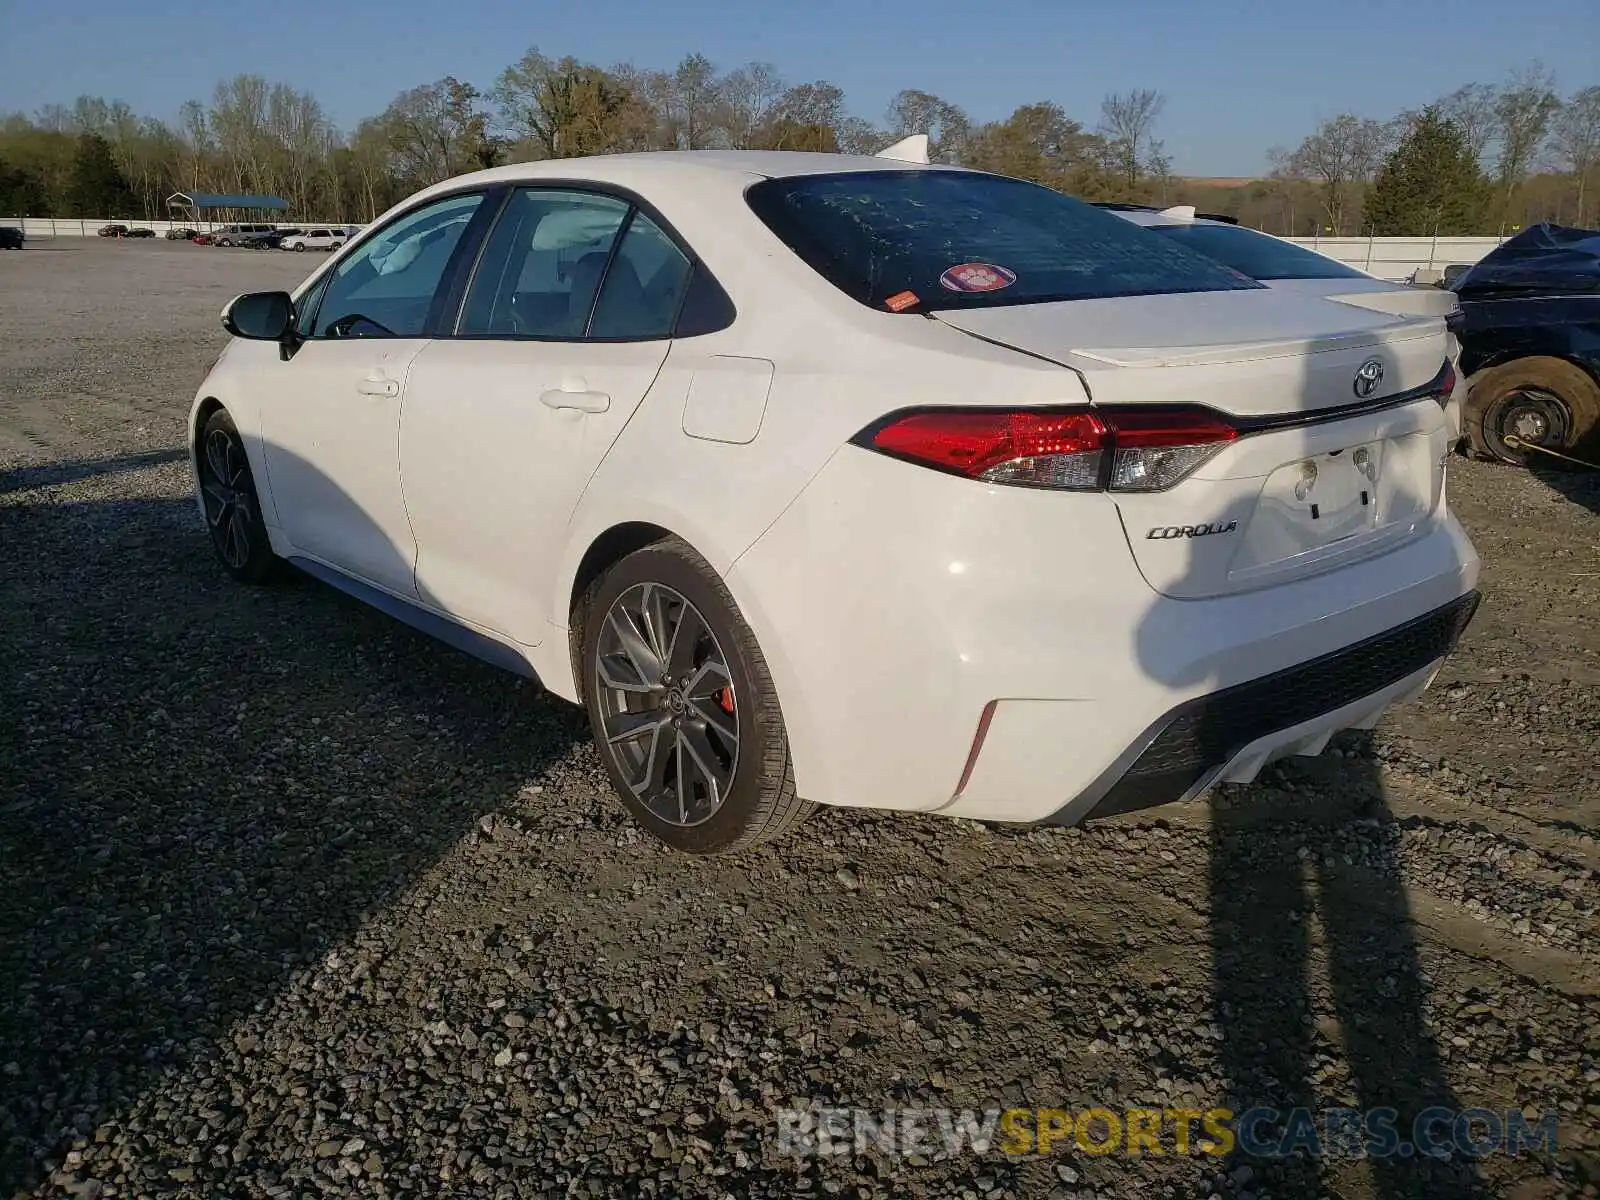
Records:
x=1531, y=348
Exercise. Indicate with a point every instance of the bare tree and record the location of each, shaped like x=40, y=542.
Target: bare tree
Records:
x=1340, y=156
x=436, y=131
x=695, y=98
x=1472, y=109
x=1522, y=115
x=749, y=97
x=565, y=107
x=820, y=103
x=1575, y=139
x=1041, y=143
x=1127, y=123
x=947, y=126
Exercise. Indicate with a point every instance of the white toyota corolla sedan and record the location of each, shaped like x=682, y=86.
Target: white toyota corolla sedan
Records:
x=853, y=480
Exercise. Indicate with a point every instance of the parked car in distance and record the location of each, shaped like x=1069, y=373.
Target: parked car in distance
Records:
x=267, y=239
x=315, y=239
x=181, y=233
x=10, y=238
x=854, y=480
x=1531, y=347
x=1286, y=266
x=140, y=231
x=113, y=230
x=201, y=239
x=233, y=235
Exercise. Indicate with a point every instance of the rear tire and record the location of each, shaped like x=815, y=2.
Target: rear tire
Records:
x=1543, y=401
x=682, y=705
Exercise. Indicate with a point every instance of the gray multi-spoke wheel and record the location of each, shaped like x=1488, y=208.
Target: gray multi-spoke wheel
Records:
x=667, y=704
x=228, y=495
x=682, y=704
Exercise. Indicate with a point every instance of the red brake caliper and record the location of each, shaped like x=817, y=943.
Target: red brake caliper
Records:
x=725, y=698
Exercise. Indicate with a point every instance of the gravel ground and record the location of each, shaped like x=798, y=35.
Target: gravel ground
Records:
x=297, y=903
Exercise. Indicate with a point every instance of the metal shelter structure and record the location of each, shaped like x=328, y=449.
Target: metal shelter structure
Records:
x=192, y=204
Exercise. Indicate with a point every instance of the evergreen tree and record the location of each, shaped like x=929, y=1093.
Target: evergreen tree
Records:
x=1430, y=183
x=99, y=189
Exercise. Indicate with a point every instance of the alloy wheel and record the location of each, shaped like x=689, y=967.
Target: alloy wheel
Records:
x=667, y=705
x=228, y=496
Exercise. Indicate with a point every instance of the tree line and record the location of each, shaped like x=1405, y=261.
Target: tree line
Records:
x=1484, y=155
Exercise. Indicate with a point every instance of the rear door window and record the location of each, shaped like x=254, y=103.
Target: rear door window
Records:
x=924, y=240
x=542, y=265
x=644, y=285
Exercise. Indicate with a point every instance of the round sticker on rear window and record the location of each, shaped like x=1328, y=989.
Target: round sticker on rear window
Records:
x=977, y=277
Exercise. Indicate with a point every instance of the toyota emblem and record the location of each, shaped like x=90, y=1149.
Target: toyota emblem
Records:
x=1368, y=378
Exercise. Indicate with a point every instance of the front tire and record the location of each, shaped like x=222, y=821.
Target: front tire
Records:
x=300, y=247
x=233, y=511
x=682, y=706
x=1532, y=402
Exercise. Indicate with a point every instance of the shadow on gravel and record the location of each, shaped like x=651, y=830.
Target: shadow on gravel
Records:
x=1579, y=486
x=1302, y=896
x=204, y=786
x=19, y=479
x=1318, y=987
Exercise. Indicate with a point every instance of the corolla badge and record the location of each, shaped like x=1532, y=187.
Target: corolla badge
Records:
x=1368, y=377
x=1162, y=532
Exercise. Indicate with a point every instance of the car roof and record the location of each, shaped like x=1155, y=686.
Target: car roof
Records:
x=682, y=171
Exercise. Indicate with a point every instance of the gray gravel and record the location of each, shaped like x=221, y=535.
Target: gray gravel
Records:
x=297, y=903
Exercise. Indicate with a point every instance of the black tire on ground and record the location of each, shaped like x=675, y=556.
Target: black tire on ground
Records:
x=234, y=523
x=300, y=246
x=1546, y=393
x=759, y=802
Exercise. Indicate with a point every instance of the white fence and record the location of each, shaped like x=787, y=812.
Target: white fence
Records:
x=1398, y=257
x=48, y=227
x=1387, y=258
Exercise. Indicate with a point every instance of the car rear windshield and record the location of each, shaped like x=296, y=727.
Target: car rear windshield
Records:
x=1256, y=254
x=919, y=241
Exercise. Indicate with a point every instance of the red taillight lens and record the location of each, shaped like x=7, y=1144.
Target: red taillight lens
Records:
x=1447, y=382
x=1079, y=450
x=1035, y=449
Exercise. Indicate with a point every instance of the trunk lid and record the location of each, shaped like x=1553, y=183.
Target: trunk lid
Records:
x=1325, y=472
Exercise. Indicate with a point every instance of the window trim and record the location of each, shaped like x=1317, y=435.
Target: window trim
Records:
x=450, y=328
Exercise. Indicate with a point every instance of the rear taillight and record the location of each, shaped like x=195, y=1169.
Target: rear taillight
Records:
x=1121, y=450
x=1447, y=383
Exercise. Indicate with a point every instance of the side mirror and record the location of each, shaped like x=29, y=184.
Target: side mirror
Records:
x=260, y=316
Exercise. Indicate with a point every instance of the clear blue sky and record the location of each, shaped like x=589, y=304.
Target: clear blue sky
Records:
x=1238, y=77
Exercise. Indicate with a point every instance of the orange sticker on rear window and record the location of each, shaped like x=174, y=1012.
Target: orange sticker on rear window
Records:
x=901, y=301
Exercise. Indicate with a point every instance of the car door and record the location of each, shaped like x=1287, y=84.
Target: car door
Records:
x=564, y=328
x=330, y=414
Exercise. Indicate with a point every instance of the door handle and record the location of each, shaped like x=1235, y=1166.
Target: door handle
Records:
x=579, y=399
x=378, y=387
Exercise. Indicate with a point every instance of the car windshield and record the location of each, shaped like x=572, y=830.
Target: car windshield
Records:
x=1258, y=255
x=928, y=240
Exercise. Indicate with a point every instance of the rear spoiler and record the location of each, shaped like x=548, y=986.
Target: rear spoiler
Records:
x=1406, y=301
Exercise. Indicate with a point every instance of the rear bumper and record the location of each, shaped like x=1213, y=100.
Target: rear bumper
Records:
x=1231, y=734
x=942, y=646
